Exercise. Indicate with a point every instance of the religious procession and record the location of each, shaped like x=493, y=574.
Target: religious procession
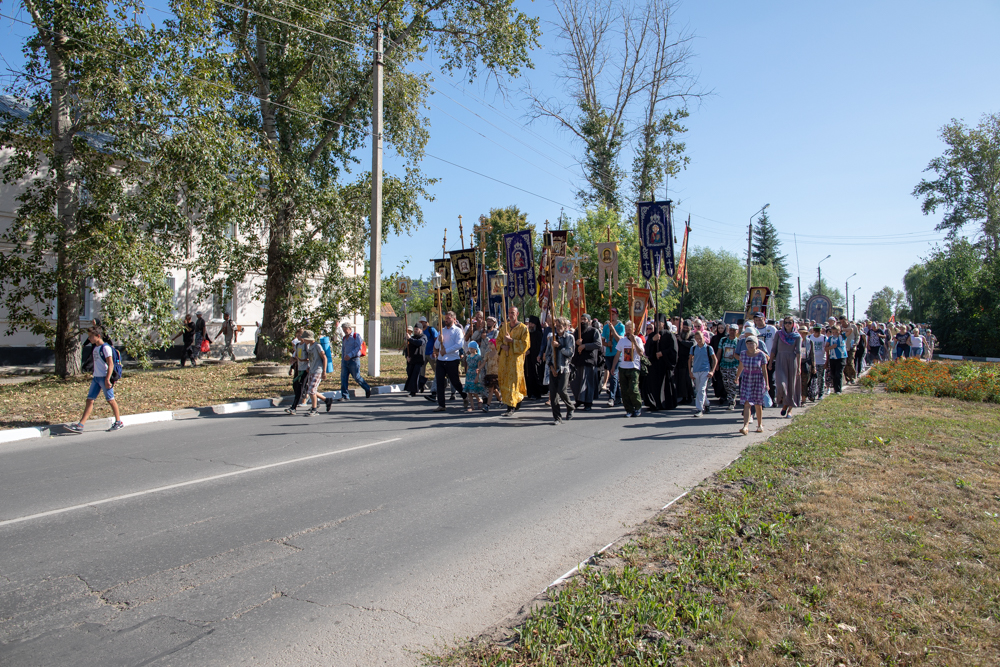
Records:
x=493, y=357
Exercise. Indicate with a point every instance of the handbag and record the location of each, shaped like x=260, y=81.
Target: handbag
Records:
x=205, y=345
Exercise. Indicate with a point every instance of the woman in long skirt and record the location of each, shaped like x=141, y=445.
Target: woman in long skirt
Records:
x=751, y=377
x=786, y=361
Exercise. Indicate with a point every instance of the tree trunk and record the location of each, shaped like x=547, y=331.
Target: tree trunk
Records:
x=64, y=171
x=279, y=282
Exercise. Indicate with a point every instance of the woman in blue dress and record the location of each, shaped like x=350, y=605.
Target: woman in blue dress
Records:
x=751, y=378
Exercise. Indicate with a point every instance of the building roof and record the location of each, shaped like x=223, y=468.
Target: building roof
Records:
x=21, y=109
x=388, y=310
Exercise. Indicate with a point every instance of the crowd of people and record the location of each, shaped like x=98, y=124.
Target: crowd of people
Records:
x=671, y=362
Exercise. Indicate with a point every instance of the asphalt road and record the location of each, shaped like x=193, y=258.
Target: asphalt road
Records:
x=359, y=537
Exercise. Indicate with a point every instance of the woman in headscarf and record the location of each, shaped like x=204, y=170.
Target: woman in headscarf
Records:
x=666, y=356
x=786, y=361
x=718, y=384
x=531, y=370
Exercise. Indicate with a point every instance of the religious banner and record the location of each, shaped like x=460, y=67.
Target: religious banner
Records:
x=443, y=268
x=495, y=294
x=403, y=286
x=520, y=265
x=656, y=238
x=757, y=301
x=563, y=271
x=607, y=265
x=545, y=276
x=681, y=275
x=639, y=308
x=560, y=239
x=577, y=302
x=463, y=263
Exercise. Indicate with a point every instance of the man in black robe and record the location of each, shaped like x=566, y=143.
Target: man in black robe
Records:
x=666, y=355
x=585, y=360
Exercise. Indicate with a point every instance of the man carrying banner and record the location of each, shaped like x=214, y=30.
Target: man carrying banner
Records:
x=513, y=344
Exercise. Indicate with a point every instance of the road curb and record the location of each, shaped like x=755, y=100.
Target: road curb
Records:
x=18, y=434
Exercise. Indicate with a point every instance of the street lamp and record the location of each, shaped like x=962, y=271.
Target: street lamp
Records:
x=501, y=278
x=750, y=245
x=819, y=274
x=847, y=305
x=436, y=282
x=854, y=299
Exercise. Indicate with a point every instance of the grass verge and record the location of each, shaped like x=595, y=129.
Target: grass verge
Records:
x=864, y=533
x=55, y=401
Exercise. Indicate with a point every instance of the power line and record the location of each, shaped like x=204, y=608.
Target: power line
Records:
x=295, y=25
x=535, y=194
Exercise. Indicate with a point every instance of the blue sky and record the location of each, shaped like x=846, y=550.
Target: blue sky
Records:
x=830, y=114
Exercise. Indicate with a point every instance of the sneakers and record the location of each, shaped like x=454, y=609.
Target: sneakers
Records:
x=329, y=404
x=368, y=392
x=440, y=408
x=486, y=407
x=637, y=413
x=697, y=413
x=291, y=411
x=76, y=428
x=556, y=421
x=508, y=413
x=569, y=415
x=611, y=402
x=707, y=408
x=312, y=412
x=117, y=426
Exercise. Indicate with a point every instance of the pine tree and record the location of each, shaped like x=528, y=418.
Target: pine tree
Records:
x=766, y=247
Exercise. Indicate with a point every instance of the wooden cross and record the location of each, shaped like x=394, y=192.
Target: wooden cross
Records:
x=461, y=232
x=576, y=258
x=444, y=244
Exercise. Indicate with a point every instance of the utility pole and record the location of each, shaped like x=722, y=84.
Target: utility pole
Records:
x=375, y=261
x=798, y=272
x=819, y=275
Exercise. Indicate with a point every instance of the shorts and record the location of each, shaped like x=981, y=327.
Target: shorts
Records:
x=96, y=387
x=314, y=380
x=492, y=382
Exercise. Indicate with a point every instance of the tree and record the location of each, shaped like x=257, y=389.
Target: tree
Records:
x=717, y=282
x=303, y=76
x=885, y=303
x=766, y=252
x=968, y=180
x=618, y=92
x=111, y=164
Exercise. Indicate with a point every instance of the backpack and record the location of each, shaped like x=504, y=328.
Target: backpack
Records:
x=364, y=346
x=116, y=361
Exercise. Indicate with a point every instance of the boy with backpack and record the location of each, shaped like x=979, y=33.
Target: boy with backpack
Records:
x=107, y=371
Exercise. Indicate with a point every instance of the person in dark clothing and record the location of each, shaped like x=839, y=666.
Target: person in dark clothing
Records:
x=188, y=333
x=416, y=345
x=682, y=380
x=651, y=385
x=585, y=361
x=200, y=334
x=718, y=385
x=666, y=357
x=532, y=380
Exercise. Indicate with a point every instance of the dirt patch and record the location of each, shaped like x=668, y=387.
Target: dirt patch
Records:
x=51, y=400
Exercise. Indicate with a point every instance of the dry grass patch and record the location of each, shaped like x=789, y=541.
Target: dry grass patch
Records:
x=54, y=401
x=864, y=533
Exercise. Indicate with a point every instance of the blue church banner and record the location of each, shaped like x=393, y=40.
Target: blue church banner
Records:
x=520, y=264
x=656, y=238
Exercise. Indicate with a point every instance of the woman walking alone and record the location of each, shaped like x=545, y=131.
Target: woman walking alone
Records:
x=786, y=362
x=752, y=380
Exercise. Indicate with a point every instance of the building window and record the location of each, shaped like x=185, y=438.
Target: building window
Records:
x=222, y=303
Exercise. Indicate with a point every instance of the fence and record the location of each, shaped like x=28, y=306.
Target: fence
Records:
x=393, y=333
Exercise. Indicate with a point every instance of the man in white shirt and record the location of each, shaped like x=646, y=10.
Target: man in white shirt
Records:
x=447, y=352
x=627, y=361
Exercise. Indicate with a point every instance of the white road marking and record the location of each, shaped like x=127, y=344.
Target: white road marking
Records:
x=201, y=480
x=608, y=546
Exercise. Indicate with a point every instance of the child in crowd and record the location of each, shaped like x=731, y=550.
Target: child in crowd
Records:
x=491, y=372
x=474, y=376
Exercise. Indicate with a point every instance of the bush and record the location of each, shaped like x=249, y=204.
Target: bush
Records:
x=966, y=381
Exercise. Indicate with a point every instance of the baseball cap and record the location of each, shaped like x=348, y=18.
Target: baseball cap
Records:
x=758, y=314
x=734, y=326
x=308, y=335
x=423, y=319
x=614, y=310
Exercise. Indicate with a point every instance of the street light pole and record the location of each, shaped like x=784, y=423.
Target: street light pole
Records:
x=375, y=260
x=854, y=299
x=750, y=244
x=847, y=306
x=819, y=275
